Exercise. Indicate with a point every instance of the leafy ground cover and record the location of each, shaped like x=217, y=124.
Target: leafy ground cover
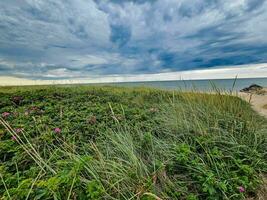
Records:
x=88, y=142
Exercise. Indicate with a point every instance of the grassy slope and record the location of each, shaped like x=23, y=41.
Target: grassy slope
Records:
x=120, y=143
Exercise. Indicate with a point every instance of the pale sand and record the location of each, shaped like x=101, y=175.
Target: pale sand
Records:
x=258, y=101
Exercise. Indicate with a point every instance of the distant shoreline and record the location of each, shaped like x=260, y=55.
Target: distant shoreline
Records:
x=199, y=85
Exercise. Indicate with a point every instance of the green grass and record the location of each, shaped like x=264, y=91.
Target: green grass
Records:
x=123, y=143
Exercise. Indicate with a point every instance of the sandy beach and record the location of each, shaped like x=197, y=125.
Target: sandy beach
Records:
x=258, y=101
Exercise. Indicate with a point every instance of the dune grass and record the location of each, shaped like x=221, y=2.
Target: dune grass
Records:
x=120, y=143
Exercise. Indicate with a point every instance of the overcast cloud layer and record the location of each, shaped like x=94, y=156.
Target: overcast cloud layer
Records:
x=61, y=39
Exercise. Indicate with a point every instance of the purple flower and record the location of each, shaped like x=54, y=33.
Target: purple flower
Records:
x=57, y=130
x=5, y=114
x=241, y=189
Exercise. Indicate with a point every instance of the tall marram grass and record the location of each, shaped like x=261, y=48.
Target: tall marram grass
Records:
x=147, y=144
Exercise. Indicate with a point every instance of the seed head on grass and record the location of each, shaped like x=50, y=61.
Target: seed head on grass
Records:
x=153, y=110
x=92, y=120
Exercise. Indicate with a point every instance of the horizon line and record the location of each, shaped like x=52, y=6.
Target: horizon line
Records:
x=227, y=72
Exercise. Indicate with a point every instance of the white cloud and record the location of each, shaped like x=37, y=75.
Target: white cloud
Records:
x=41, y=23
x=97, y=59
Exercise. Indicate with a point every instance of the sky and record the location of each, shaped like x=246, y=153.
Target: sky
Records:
x=153, y=39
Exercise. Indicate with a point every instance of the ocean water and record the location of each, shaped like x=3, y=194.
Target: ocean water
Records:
x=201, y=85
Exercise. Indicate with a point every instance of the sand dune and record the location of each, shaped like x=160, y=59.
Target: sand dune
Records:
x=258, y=101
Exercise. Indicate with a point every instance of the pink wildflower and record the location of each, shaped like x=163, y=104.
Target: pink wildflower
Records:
x=14, y=138
x=5, y=114
x=18, y=130
x=241, y=189
x=57, y=130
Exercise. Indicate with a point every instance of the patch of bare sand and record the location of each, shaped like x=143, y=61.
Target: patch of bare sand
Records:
x=258, y=101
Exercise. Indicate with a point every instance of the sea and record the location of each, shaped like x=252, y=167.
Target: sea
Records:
x=199, y=85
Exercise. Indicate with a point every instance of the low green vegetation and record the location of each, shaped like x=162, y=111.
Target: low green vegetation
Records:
x=88, y=142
